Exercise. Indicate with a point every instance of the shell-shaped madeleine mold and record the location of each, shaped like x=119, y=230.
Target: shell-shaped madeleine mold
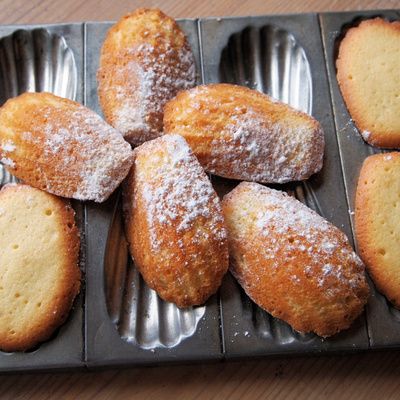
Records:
x=140, y=316
x=35, y=61
x=270, y=59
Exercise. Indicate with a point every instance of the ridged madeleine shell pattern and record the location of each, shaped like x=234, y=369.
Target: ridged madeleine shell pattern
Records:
x=35, y=61
x=269, y=59
x=139, y=314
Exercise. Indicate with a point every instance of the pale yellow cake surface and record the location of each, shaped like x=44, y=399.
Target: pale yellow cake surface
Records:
x=377, y=217
x=39, y=275
x=368, y=72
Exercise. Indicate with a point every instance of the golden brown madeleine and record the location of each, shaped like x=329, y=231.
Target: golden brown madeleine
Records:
x=292, y=262
x=377, y=221
x=174, y=223
x=39, y=274
x=62, y=147
x=368, y=67
x=243, y=134
x=145, y=60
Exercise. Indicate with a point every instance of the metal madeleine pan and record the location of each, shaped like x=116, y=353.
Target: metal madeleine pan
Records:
x=126, y=322
x=46, y=58
x=383, y=319
x=281, y=56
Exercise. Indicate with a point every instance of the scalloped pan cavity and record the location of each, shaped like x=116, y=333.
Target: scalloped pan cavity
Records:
x=270, y=60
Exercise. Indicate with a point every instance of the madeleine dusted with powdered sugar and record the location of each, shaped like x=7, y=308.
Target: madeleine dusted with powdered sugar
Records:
x=292, y=262
x=174, y=223
x=145, y=60
x=62, y=147
x=240, y=133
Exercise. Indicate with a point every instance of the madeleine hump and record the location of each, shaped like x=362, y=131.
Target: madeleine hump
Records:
x=241, y=133
x=62, y=147
x=291, y=262
x=145, y=60
x=174, y=223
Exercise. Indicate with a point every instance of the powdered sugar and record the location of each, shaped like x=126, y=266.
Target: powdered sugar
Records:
x=147, y=81
x=180, y=192
x=8, y=146
x=247, y=136
x=291, y=229
x=275, y=153
x=365, y=135
x=86, y=158
x=8, y=162
x=285, y=213
x=327, y=246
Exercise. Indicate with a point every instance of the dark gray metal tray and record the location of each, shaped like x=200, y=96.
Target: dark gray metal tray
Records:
x=117, y=319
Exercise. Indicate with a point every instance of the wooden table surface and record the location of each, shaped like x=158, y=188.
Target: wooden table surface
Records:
x=373, y=375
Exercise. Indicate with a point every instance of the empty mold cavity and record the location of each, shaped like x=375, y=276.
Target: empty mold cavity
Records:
x=36, y=61
x=270, y=60
x=140, y=316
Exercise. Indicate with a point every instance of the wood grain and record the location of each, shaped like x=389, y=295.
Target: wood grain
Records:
x=335, y=377
x=42, y=11
x=373, y=375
